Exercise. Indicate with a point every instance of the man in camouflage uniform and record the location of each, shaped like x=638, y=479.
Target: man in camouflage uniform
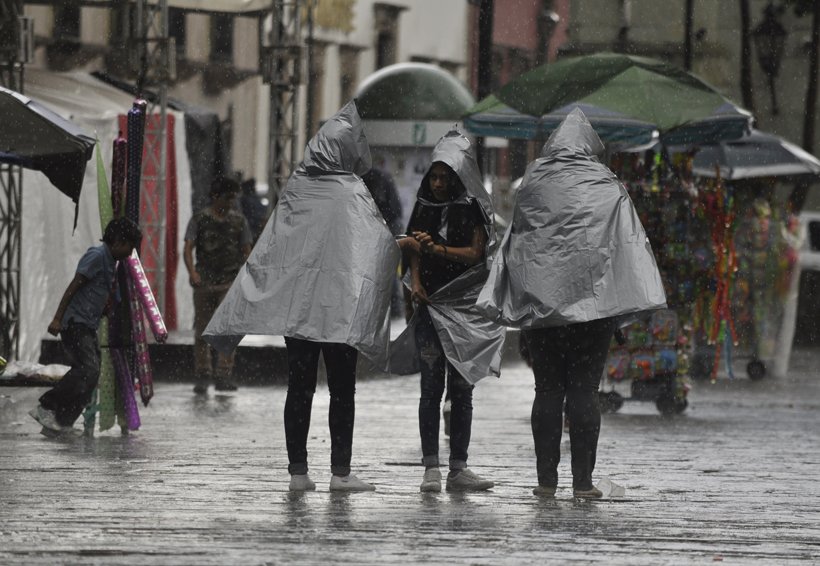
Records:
x=222, y=239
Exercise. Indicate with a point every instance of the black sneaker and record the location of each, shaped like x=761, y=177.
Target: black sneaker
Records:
x=225, y=385
x=201, y=387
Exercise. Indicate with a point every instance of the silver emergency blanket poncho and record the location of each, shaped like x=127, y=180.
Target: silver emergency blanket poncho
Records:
x=575, y=250
x=323, y=268
x=471, y=343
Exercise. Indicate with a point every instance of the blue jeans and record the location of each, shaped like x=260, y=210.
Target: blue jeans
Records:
x=568, y=362
x=434, y=369
x=303, y=363
x=70, y=396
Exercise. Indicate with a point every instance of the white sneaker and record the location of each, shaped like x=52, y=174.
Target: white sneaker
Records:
x=432, y=481
x=301, y=482
x=349, y=483
x=46, y=418
x=466, y=480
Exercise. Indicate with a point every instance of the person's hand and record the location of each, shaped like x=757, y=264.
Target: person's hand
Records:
x=54, y=327
x=419, y=295
x=195, y=279
x=425, y=240
x=409, y=244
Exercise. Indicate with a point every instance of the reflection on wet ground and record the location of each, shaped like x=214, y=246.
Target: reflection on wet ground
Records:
x=204, y=481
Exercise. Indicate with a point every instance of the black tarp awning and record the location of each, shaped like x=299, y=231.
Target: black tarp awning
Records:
x=34, y=137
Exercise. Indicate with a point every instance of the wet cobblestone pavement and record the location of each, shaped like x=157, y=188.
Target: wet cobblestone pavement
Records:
x=733, y=480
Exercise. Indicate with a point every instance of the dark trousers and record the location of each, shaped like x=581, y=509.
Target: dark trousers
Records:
x=206, y=301
x=303, y=364
x=434, y=367
x=70, y=396
x=568, y=362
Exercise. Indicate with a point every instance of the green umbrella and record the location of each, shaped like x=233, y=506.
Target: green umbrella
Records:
x=639, y=87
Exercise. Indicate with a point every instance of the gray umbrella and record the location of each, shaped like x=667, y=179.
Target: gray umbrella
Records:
x=756, y=155
x=36, y=138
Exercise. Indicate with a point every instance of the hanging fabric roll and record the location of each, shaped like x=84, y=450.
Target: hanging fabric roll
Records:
x=146, y=297
x=119, y=165
x=142, y=360
x=136, y=130
x=126, y=389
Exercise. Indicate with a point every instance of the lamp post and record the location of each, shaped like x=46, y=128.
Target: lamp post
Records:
x=770, y=40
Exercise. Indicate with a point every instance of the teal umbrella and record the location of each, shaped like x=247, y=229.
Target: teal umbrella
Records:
x=491, y=117
x=682, y=107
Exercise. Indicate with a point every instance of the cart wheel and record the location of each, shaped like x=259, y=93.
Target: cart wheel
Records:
x=610, y=401
x=756, y=370
x=671, y=405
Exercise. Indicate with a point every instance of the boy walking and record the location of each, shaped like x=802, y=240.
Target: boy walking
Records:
x=76, y=321
x=222, y=239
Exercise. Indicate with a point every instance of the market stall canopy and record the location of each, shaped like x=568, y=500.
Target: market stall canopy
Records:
x=412, y=91
x=680, y=106
x=491, y=117
x=411, y=104
x=756, y=155
x=36, y=138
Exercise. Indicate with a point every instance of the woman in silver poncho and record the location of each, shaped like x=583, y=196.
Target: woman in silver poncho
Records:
x=450, y=222
x=321, y=276
x=574, y=265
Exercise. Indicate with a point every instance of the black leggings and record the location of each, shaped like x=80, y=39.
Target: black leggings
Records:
x=303, y=363
x=567, y=362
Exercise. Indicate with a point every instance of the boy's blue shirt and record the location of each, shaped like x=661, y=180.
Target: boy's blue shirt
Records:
x=87, y=305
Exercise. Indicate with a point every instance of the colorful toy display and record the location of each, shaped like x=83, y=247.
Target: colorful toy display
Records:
x=726, y=254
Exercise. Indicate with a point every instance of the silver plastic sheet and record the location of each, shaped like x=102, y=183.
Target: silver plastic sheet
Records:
x=471, y=342
x=575, y=250
x=323, y=268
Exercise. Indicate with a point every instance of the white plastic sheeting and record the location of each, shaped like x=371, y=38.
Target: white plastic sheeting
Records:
x=49, y=249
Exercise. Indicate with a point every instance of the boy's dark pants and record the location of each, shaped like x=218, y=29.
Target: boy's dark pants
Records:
x=568, y=362
x=70, y=396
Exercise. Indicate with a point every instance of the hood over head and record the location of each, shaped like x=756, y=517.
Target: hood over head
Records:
x=574, y=135
x=339, y=146
x=455, y=151
x=576, y=250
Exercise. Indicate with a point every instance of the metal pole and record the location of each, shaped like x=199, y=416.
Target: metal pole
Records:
x=486, y=10
x=11, y=191
x=283, y=71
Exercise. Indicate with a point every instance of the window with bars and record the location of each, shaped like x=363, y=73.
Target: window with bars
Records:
x=348, y=73
x=387, y=32
x=177, y=29
x=221, y=39
x=67, y=20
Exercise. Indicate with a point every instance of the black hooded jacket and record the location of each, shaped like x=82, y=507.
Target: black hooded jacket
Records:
x=462, y=216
